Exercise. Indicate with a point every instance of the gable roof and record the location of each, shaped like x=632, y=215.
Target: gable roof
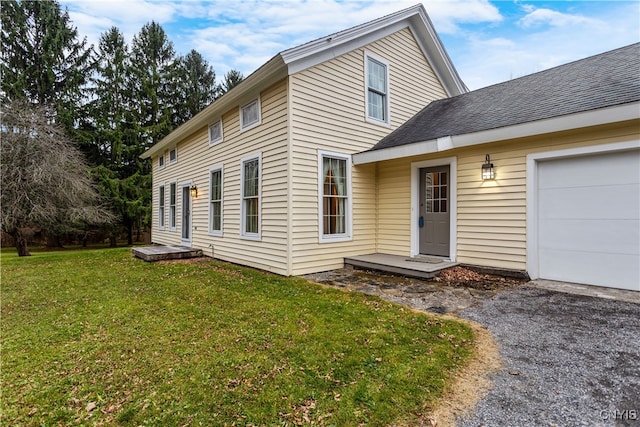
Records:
x=299, y=58
x=523, y=106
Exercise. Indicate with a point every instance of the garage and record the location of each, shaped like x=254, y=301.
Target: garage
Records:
x=588, y=219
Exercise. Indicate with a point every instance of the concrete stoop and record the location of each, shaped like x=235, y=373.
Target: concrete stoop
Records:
x=161, y=252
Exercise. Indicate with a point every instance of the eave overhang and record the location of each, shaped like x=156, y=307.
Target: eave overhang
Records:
x=270, y=73
x=609, y=115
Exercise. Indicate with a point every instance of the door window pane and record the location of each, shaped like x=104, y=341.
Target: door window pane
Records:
x=436, y=192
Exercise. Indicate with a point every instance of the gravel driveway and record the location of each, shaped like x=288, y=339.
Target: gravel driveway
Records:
x=568, y=360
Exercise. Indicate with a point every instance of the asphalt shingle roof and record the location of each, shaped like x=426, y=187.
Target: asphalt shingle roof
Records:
x=604, y=80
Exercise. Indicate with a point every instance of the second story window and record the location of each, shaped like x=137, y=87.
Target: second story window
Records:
x=173, y=155
x=377, y=83
x=250, y=115
x=215, y=133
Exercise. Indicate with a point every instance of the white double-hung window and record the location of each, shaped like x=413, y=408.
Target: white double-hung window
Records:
x=161, y=207
x=334, y=196
x=250, y=208
x=172, y=205
x=377, y=89
x=215, y=201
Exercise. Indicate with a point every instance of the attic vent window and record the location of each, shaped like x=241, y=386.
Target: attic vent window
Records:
x=215, y=133
x=250, y=115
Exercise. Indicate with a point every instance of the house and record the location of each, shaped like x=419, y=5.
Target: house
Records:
x=563, y=146
x=327, y=151
x=271, y=159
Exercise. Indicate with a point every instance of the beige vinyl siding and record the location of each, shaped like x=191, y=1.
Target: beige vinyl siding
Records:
x=196, y=157
x=491, y=215
x=328, y=113
x=394, y=207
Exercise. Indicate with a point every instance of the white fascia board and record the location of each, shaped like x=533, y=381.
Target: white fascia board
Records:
x=415, y=18
x=598, y=117
x=408, y=150
x=602, y=116
x=334, y=47
x=433, y=49
x=271, y=72
x=317, y=46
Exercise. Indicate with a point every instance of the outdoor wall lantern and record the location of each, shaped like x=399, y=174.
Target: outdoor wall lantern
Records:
x=194, y=191
x=487, y=169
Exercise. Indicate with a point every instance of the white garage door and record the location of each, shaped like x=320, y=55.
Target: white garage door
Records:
x=589, y=219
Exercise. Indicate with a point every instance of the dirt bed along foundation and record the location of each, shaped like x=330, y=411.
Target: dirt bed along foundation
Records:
x=454, y=290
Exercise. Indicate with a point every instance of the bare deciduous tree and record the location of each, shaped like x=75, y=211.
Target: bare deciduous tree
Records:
x=44, y=179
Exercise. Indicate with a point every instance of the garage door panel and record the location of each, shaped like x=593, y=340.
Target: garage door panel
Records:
x=588, y=219
x=602, y=202
x=590, y=170
x=612, y=270
x=601, y=237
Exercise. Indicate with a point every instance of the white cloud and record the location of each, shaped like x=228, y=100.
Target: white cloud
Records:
x=540, y=17
x=257, y=30
x=448, y=15
x=486, y=46
x=92, y=18
x=483, y=60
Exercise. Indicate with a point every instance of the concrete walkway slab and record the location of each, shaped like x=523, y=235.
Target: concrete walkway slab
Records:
x=587, y=290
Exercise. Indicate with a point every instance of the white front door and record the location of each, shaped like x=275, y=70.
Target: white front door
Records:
x=186, y=215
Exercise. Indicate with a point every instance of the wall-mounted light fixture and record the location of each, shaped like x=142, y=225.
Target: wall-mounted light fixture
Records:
x=194, y=191
x=487, y=169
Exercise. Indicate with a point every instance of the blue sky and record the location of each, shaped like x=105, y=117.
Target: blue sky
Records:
x=488, y=41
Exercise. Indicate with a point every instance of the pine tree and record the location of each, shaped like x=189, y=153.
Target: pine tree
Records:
x=107, y=151
x=231, y=80
x=147, y=119
x=194, y=88
x=42, y=60
x=153, y=64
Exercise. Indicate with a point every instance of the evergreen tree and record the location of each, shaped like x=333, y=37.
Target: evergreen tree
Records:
x=42, y=60
x=153, y=65
x=195, y=86
x=231, y=80
x=147, y=119
x=111, y=101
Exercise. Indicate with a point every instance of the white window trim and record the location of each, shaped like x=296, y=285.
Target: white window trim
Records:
x=175, y=212
x=169, y=155
x=244, y=127
x=243, y=234
x=217, y=140
x=330, y=238
x=164, y=163
x=186, y=242
x=162, y=219
x=368, y=118
x=213, y=232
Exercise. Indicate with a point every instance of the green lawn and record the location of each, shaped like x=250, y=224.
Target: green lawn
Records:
x=99, y=337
